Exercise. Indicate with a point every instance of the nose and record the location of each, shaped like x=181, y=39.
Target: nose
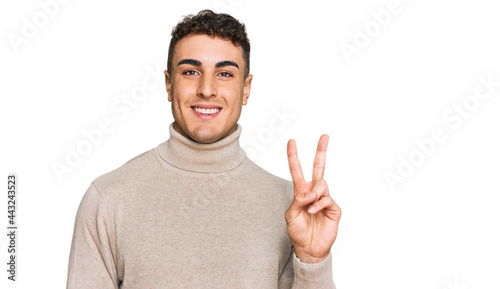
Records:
x=207, y=86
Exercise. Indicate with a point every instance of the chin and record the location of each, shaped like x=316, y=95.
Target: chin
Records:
x=206, y=135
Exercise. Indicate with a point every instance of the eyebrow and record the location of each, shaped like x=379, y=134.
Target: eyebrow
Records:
x=227, y=63
x=198, y=63
x=189, y=61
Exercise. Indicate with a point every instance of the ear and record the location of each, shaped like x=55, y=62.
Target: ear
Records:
x=168, y=83
x=246, y=88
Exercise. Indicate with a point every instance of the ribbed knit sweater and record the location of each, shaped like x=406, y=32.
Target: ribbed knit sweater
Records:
x=189, y=215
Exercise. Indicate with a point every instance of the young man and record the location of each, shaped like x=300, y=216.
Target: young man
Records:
x=195, y=212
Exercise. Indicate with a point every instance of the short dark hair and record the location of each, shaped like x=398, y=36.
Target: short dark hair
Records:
x=206, y=22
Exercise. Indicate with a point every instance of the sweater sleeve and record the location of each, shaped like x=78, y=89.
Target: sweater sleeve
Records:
x=91, y=262
x=298, y=275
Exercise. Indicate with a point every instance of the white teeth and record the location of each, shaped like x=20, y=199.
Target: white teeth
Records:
x=206, y=111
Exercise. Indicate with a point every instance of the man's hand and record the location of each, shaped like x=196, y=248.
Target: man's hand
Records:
x=313, y=216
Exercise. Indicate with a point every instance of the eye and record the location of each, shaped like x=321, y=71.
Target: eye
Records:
x=225, y=74
x=189, y=72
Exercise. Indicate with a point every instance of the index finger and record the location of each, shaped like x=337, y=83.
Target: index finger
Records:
x=293, y=162
x=320, y=158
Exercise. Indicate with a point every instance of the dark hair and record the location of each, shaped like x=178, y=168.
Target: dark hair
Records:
x=206, y=22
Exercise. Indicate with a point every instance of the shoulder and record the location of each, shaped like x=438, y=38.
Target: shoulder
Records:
x=262, y=178
x=255, y=170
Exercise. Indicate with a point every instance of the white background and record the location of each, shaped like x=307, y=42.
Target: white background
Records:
x=438, y=229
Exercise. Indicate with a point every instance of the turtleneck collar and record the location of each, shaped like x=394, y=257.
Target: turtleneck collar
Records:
x=186, y=154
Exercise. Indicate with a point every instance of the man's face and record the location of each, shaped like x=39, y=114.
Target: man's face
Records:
x=207, y=87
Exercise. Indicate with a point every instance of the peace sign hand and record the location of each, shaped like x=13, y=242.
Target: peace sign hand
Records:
x=313, y=216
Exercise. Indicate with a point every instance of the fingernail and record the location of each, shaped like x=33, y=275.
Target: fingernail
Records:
x=311, y=209
x=309, y=195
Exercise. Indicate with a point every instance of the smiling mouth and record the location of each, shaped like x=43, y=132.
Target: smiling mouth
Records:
x=206, y=112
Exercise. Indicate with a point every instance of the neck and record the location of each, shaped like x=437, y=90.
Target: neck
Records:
x=184, y=153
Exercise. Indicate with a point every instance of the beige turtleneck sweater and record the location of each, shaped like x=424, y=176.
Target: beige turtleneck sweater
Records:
x=189, y=215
